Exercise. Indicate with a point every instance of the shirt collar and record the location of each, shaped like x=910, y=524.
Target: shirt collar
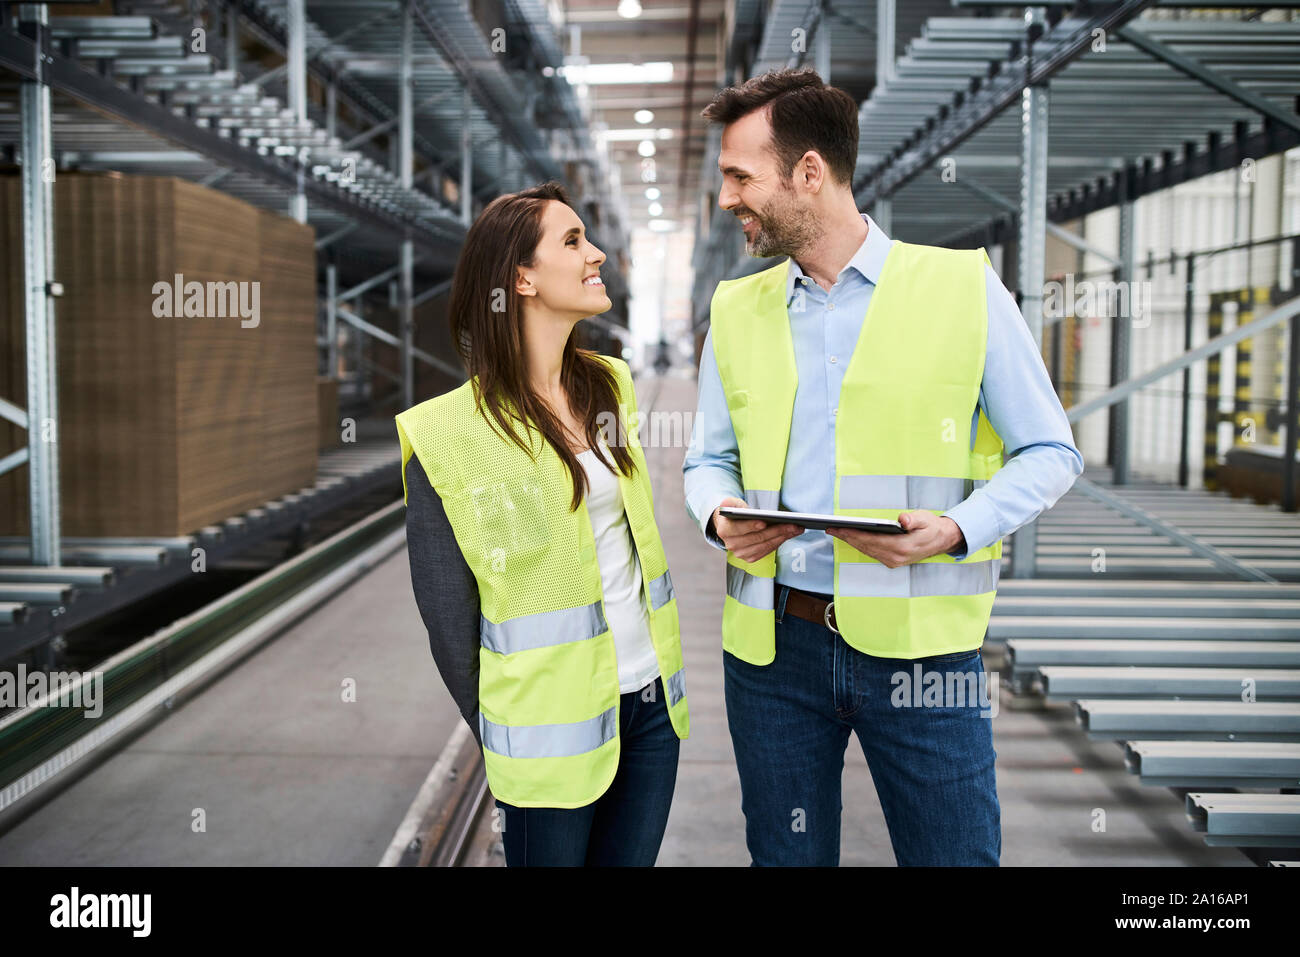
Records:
x=868, y=260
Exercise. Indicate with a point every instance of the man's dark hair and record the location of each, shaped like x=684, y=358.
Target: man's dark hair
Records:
x=804, y=113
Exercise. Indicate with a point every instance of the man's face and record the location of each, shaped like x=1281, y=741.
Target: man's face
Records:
x=776, y=219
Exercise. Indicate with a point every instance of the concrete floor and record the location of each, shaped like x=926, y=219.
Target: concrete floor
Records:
x=285, y=771
x=288, y=773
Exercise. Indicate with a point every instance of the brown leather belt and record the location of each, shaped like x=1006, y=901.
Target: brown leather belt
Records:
x=810, y=607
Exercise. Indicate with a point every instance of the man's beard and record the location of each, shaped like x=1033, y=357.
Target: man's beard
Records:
x=783, y=230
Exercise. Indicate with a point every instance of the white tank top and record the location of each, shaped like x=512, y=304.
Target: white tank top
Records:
x=620, y=575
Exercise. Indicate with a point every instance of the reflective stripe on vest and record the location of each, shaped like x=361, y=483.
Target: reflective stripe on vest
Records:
x=676, y=686
x=752, y=590
x=874, y=580
x=549, y=740
x=756, y=591
x=543, y=629
x=661, y=591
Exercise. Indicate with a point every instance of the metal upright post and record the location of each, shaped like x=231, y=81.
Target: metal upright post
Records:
x=466, y=168
x=1189, y=306
x=232, y=38
x=296, y=56
x=406, y=129
x=883, y=214
x=331, y=316
x=503, y=184
x=1292, y=408
x=38, y=267
x=885, y=45
x=1292, y=425
x=1032, y=248
x=1124, y=327
x=296, y=78
x=822, y=51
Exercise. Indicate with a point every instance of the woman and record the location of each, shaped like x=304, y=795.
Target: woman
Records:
x=535, y=559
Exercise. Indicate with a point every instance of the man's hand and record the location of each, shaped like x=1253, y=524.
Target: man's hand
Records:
x=927, y=534
x=750, y=541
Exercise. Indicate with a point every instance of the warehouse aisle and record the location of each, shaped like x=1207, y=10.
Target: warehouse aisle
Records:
x=1051, y=779
x=280, y=768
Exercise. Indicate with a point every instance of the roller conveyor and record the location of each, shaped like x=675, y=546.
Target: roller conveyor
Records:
x=1155, y=588
x=1153, y=720
x=1028, y=655
x=1070, y=682
x=1246, y=820
x=1147, y=607
x=1003, y=628
x=1243, y=764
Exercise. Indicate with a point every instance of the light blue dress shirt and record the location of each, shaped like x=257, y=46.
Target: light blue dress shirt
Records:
x=1016, y=394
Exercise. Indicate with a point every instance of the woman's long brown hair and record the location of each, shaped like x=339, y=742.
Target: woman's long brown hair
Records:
x=487, y=327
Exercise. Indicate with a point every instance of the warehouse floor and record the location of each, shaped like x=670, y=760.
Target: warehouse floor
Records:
x=281, y=770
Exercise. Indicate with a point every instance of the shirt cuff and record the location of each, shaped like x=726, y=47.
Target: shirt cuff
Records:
x=978, y=525
x=706, y=522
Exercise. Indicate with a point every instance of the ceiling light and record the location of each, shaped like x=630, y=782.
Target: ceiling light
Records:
x=596, y=73
x=654, y=209
x=635, y=133
x=643, y=116
x=662, y=225
x=652, y=193
x=629, y=9
x=647, y=148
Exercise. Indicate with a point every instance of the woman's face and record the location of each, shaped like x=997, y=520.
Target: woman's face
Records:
x=565, y=275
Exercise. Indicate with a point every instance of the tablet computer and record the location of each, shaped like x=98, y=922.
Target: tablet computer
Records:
x=885, y=526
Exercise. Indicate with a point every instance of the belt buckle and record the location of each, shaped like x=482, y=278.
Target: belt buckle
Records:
x=826, y=616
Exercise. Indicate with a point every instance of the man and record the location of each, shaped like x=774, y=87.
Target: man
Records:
x=806, y=407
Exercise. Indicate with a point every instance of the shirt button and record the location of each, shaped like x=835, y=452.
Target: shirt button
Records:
x=833, y=359
x=830, y=305
x=835, y=411
x=803, y=281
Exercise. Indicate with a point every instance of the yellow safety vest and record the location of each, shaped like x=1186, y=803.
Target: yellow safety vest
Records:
x=903, y=442
x=548, y=675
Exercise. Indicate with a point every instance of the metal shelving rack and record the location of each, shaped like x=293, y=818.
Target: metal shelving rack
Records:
x=166, y=87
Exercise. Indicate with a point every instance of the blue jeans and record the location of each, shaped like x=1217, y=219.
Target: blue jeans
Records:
x=932, y=765
x=625, y=825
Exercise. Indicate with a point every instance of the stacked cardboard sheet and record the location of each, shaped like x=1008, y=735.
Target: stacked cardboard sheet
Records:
x=186, y=355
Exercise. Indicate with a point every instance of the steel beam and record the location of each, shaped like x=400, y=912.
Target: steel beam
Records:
x=1216, y=345
x=1211, y=78
x=350, y=317
x=29, y=59
x=997, y=199
x=941, y=134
